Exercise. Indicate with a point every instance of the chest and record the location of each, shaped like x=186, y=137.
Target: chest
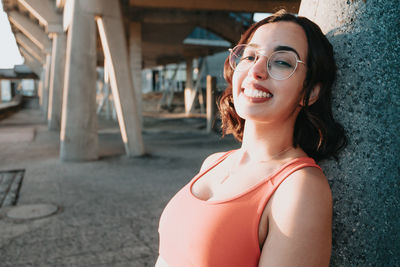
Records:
x=226, y=222
x=227, y=181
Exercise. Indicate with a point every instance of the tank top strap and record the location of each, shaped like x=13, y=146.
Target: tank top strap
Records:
x=291, y=167
x=218, y=161
x=224, y=156
x=280, y=176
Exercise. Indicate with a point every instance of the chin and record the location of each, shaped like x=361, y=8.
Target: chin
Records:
x=251, y=115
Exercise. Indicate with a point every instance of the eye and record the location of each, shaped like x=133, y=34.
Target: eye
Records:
x=248, y=55
x=281, y=64
x=283, y=60
x=248, y=58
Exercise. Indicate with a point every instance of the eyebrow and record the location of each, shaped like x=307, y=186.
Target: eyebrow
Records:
x=279, y=48
x=286, y=48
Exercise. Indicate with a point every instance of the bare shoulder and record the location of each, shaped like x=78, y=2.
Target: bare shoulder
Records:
x=308, y=185
x=303, y=199
x=210, y=160
x=300, y=221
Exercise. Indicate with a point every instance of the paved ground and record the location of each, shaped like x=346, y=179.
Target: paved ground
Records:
x=109, y=209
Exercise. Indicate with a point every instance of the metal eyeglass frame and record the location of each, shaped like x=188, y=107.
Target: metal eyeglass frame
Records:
x=258, y=53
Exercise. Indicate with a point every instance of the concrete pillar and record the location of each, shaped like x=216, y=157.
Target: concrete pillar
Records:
x=188, y=94
x=366, y=180
x=115, y=50
x=211, y=104
x=46, y=83
x=56, y=81
x=135, y=57
x=79, y=140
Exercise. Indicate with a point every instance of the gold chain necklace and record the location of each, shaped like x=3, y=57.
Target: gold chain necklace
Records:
x=231, y=170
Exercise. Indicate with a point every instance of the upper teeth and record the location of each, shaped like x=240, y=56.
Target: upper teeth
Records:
x=256, y=93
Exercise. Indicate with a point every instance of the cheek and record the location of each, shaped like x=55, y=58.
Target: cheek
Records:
x=237, y=80
x=236, y=86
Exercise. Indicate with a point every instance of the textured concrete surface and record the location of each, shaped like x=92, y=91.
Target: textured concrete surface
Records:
x=366, y=180
x=110, y=208
x=10, y=183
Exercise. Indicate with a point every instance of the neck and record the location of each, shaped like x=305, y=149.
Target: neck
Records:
x=262, y=141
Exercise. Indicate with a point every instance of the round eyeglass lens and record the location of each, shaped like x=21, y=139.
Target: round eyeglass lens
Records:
x=242, y=57
x=280, y=65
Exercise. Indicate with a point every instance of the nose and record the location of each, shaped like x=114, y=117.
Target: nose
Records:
x=259, y=69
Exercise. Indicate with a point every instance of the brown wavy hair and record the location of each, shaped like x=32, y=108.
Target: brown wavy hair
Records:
x=316, y=130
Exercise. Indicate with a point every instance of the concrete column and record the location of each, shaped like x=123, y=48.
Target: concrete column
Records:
x=366, y=180
x=46, y=82
x=56, y=81
x=135, y=57
x=79, y=140
x=115, y=50
x=211, y=102
x=188, y=94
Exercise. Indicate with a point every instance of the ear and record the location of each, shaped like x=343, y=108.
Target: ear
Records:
x=313, y=96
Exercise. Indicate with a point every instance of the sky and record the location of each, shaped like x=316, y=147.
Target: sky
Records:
x=9, y=54
x=260, y=16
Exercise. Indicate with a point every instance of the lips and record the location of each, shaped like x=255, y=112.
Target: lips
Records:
x=256, y=92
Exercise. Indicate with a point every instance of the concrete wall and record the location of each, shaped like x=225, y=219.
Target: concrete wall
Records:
x=365, y=181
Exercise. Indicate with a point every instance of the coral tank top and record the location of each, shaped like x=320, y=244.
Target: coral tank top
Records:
x=199, y=233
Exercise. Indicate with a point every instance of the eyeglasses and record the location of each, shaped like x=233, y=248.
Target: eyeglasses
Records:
x=280, y=64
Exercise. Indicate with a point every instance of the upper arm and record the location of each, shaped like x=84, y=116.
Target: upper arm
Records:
x=210, y=160
x=299, y=222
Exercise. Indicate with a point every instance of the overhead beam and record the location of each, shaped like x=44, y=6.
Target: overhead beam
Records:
x=218, y=22
x=44, y=11
x=31, y=62
x=165, y=50
x=31, y=47
x=226, y=5
x=224, y=26
x=31, y=30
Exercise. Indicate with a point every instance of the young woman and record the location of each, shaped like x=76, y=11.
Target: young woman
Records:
x=267, y=203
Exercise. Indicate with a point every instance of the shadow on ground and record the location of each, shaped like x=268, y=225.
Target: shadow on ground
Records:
x=108, y=209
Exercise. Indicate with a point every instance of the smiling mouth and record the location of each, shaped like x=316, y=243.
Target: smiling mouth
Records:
x=254, y=93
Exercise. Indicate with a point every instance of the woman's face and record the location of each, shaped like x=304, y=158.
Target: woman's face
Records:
x=283, y=96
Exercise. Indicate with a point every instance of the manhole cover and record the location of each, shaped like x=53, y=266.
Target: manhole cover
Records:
x=33, y=211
